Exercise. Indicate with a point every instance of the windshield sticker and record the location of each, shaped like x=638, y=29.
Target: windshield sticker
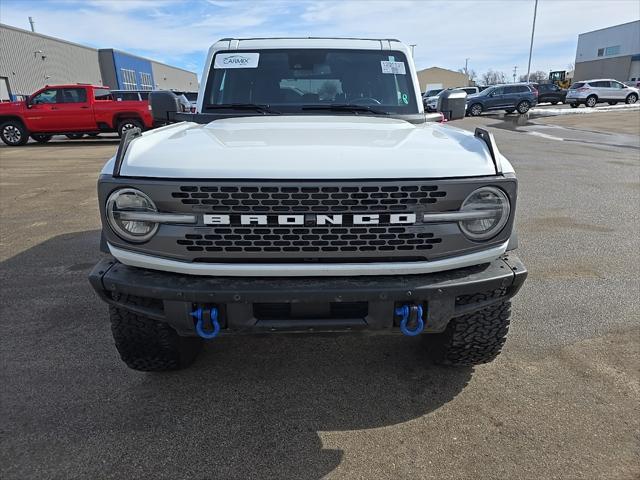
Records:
x=405, y=99
x=396, y=68
x=236, y=60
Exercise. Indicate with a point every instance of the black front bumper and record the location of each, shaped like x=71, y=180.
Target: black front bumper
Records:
x=299, y=304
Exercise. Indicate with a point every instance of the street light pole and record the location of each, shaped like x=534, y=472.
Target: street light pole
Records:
x=533, y=30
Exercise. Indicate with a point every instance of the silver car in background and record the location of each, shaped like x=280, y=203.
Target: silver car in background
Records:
x=592, y=92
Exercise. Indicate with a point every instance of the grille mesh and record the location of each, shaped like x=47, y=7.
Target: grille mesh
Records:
x=288, y=199
x=310, y=239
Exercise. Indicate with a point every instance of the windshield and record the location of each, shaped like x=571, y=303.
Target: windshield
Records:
x=291, y=81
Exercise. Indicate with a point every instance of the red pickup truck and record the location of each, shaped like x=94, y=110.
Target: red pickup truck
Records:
x=71, y=110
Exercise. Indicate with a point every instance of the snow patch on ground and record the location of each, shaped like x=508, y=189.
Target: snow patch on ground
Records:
x=550, y=112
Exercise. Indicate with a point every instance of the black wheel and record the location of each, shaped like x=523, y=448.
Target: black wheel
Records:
x=612, y=103
x=509, y=110
x=128, y=124
x=574, y=105
x=591, y=101
x=475, y=110
x=631, y=98
x=74, y=136
x=150, y=346
x=523, y=107
x=554, y=103
x=13, y=133
x=41, y=138
x=471, y=339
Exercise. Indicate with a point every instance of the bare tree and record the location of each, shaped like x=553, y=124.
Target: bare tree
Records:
x=492, y=77
x=469, y=72
x=571, y=66
x=535, y=77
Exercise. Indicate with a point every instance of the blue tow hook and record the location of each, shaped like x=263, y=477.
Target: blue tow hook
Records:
x=198, y=313
x=405, y=312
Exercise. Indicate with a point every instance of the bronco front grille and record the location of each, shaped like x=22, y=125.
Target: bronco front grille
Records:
x=310, y=239
x=285, y=199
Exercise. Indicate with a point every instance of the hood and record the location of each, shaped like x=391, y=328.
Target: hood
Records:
x=11, y=106
x=306, y=147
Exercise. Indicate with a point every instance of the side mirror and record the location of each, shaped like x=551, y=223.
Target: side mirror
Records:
x=164, y=106
x=27, y=102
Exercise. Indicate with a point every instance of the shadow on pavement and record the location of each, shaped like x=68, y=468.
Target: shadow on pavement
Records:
x=250, y=407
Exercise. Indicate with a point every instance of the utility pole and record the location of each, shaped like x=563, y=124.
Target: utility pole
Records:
x=466, y=67
x=515, y=71
x=413, y=46
x=32, y=22
x=533, y=30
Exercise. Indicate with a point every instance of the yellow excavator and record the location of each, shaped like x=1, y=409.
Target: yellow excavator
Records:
x=559, y=78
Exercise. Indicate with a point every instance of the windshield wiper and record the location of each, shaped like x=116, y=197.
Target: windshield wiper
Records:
x=340, y=107
x=263, y=107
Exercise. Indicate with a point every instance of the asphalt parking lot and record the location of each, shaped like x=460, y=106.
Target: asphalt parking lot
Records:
x=562, y=401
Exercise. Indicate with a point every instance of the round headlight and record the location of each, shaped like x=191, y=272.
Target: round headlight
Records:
x=128, y=200
x=491, y=208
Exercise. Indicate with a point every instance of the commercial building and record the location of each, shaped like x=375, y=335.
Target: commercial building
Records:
x=436, y=77
x=29, y=60
x=612, y=52
x=130, y=72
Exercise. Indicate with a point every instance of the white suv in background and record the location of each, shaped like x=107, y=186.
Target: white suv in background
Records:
x=592, y=92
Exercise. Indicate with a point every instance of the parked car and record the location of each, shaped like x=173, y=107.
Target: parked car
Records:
x=191, y=99
x=469, y=90
x=509, y=97
x=431, y=103
x=592, y=92
x=634, y=82
x=550, y=93
x=429, y=97
x=72, y=110
x=130, y=95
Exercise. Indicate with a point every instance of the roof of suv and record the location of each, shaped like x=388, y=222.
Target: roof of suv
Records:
x=310, y=42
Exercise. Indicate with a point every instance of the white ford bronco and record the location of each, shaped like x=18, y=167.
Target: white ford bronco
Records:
x=308, y=193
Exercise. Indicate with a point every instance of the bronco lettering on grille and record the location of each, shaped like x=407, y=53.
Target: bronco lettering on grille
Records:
x=312, y=219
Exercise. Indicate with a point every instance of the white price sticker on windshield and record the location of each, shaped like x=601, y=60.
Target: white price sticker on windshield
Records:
x=396, y=68
x=236, y=60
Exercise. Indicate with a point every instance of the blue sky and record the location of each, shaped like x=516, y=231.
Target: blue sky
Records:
x=492, y=34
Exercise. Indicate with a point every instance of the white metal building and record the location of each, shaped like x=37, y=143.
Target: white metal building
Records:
x=612, y=52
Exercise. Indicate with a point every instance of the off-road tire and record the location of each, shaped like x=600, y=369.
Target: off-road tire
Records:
x=591, y=101
x=631, y=98
x=472, y=339
x=41, y=138
x=523, y=107
x=13, y=133
x=128, y=124
x=148, y=345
